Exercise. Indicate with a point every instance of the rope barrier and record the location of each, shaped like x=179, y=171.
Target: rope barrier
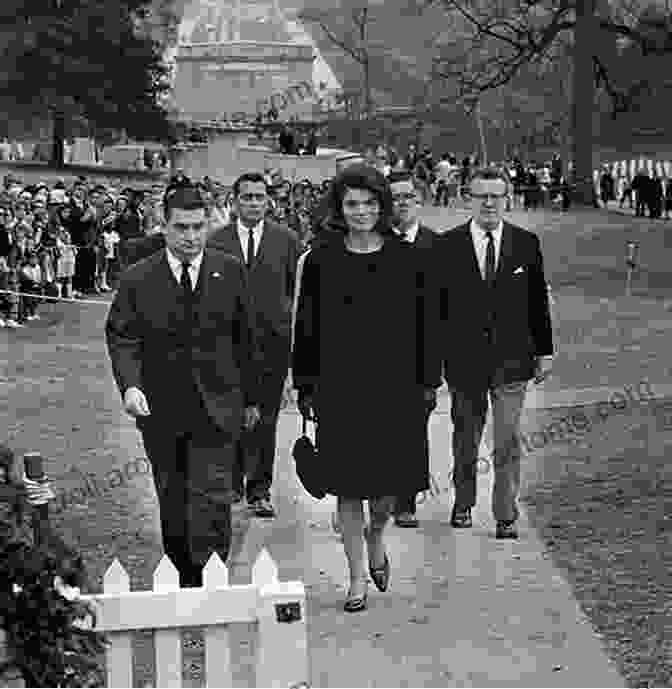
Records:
x=45, y=297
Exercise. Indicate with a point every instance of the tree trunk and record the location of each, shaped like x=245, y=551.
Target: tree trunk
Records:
x=58, y=140
x=367, y=88
x=585, y=34
x=481, y=134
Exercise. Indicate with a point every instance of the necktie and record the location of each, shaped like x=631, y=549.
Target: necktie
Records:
x=250, y=248
x=490, y=260
x=185, y=280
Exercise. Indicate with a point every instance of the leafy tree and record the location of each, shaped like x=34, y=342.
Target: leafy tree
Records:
x=71, y=58
x=499, y=38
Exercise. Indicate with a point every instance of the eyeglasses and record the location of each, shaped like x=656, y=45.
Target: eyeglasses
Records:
x=491, y=197
x=371, y=204
x=403, y=197
x=252, y=197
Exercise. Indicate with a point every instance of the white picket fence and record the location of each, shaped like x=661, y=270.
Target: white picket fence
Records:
x=277, y=608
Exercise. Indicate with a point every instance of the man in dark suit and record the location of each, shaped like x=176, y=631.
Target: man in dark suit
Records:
x=406, y=198
x=270, y=252
x=497, y=337
x=181, y=341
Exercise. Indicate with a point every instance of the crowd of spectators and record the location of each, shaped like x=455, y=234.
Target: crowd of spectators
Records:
x=64, y=241
x=443, y=180
x=643, y=192
x=68, y=241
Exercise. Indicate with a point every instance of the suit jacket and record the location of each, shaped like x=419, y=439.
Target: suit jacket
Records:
x=135, y=249
x=493, y=338
x=271, y=287
x=152, y=347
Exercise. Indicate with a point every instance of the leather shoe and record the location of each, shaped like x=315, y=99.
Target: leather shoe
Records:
x=406, y=520
x=356, y=603
x=461, y=519
x=506, y=529
x=262, y=507
x=381, y=575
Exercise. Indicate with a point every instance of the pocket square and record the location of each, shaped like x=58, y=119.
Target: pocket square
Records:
x=519, y=270
x=216, y=275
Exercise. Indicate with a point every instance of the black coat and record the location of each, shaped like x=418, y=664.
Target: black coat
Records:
x=493, y=338
x=148, y=342
x=366, y=346
x=271, y=286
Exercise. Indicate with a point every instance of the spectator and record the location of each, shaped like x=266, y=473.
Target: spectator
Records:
x=668, y=197
x=656, y=196
x=31, y=281
x=640, y=185
x=65, y=262
x=110, y=264
x=82, y=228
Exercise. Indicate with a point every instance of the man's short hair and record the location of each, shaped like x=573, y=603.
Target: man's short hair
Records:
x=254, y=177
x=489, y=173
x=400, y=176
x=188, y=198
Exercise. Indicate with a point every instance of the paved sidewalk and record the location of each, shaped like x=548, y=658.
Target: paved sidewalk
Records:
x=463, y=608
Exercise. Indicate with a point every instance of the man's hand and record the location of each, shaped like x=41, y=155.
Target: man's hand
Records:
x=135, y=402
x=252, y=417
x=543, y=369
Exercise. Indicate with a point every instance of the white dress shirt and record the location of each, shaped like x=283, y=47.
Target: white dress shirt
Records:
x=243, y=235
x=480, y=241
x=411, y=232
x=176, y=267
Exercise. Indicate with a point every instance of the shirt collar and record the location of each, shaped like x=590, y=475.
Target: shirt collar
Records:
x=411, y=232
x=243, y=228
x=479, y=233
x=176, y=264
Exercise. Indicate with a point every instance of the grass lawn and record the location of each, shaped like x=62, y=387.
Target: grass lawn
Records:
x=603, y=507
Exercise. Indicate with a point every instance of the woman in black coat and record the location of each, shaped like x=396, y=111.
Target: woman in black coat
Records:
x=366, y=363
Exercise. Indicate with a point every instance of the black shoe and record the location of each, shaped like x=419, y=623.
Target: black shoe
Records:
x=262, y=507
x=461, y=519
x=381, y=575
x=406, y=520
x=356, y=603
x=506, y=529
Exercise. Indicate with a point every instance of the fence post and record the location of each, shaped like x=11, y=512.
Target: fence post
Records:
x=282, y=645
x=119, y=653
x=217, y=642
x=167, y=642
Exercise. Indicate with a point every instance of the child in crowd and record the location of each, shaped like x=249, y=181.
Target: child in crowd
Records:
x=65, y=262
x=31, y=281
x=110, y=264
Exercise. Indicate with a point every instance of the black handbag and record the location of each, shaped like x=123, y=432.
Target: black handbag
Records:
x=307, y=463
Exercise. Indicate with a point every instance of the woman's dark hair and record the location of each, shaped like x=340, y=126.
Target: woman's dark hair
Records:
x=365, y=177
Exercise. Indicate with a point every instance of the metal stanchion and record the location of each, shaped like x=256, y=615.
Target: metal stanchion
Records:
x=631, y=251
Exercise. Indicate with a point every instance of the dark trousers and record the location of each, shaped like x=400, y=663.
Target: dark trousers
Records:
x=85, y=270
x=255, y=452
x=192, y=474
x=28, y=305
x=642, y=203
x=405, y=504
